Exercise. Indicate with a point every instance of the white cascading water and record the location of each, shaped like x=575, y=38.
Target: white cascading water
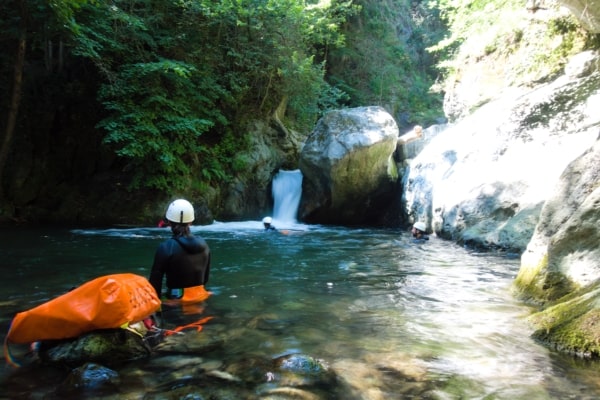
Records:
x=287, y=189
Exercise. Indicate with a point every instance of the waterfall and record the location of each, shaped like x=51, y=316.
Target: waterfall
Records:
x=287, y=189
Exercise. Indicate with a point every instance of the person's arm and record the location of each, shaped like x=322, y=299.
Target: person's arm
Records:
x=158, y=269
x=207, y=270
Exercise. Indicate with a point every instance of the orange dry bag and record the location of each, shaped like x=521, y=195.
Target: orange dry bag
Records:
x=111, y=301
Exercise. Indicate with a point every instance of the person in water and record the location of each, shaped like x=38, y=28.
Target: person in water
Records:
x=419, y=231
x=267, y=221
x=184, y=258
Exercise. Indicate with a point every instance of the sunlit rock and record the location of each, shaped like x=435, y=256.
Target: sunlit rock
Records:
x=583, y=64
x=349, y=173
x=398, y=373
x=411, y=136
x=291, y=393
x=484, y=180
x=564, y=253
x=410, y=144
x=571, y=326
x=560, y=268
x=523, y=49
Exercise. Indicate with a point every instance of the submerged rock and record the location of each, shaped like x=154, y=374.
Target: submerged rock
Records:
x=301, y=364
x=90, y=376
x=300, y=370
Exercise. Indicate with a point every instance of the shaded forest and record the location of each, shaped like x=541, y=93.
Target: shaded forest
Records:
x=117, y=102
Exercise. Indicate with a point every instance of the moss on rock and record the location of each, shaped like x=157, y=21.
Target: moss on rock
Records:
x=535, y=282
x=572, y=325
x=526, y=283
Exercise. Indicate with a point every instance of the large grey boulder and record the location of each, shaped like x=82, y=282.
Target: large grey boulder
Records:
x=348, y=169
x=484, y=180
x=564, y=252
x=561, y=267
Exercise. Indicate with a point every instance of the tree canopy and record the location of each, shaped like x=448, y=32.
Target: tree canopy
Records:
x=177, y=80
x=178, y=73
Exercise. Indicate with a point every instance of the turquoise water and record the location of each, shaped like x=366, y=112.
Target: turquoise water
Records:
x=376, y=307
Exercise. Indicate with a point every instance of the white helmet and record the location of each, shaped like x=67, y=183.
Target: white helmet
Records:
x=180, y=211
x=267, y=220
x=420, y=226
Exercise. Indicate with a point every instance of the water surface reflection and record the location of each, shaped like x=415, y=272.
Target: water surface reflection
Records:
x=393, y=319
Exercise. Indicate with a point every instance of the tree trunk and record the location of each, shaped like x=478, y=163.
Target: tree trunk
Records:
x=15, y=101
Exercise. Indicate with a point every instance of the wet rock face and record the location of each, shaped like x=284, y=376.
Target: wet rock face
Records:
x=563, y=253
x=483, y=181
x=560, y=268
x=349, y=173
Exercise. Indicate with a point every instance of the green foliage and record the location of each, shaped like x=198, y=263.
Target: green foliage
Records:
x=593, y=41
x=65, y=9
x=158, y=115
x=178, y=72
x=467, y=19
x=178, y=78
x=490, y=31
x=304, y=83
x=383, y=62
x=569, y=30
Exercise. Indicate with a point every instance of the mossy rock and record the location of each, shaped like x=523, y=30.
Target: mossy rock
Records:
x=572, y=325
x=536, y=283
x=107, y=347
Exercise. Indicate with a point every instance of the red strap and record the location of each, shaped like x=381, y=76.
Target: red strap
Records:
x=197, y=325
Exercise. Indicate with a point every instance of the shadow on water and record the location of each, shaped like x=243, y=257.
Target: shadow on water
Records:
x=391, y=319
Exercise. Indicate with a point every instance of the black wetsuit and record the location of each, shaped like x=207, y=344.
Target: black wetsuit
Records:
x=185, y=260
x=421, y=239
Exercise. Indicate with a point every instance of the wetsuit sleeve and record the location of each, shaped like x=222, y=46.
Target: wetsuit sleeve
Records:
x=207, y=270
x=159, y=267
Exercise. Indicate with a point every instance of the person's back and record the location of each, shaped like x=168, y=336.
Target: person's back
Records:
x=184, y=258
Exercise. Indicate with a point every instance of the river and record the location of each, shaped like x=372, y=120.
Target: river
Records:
x=393, y=319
